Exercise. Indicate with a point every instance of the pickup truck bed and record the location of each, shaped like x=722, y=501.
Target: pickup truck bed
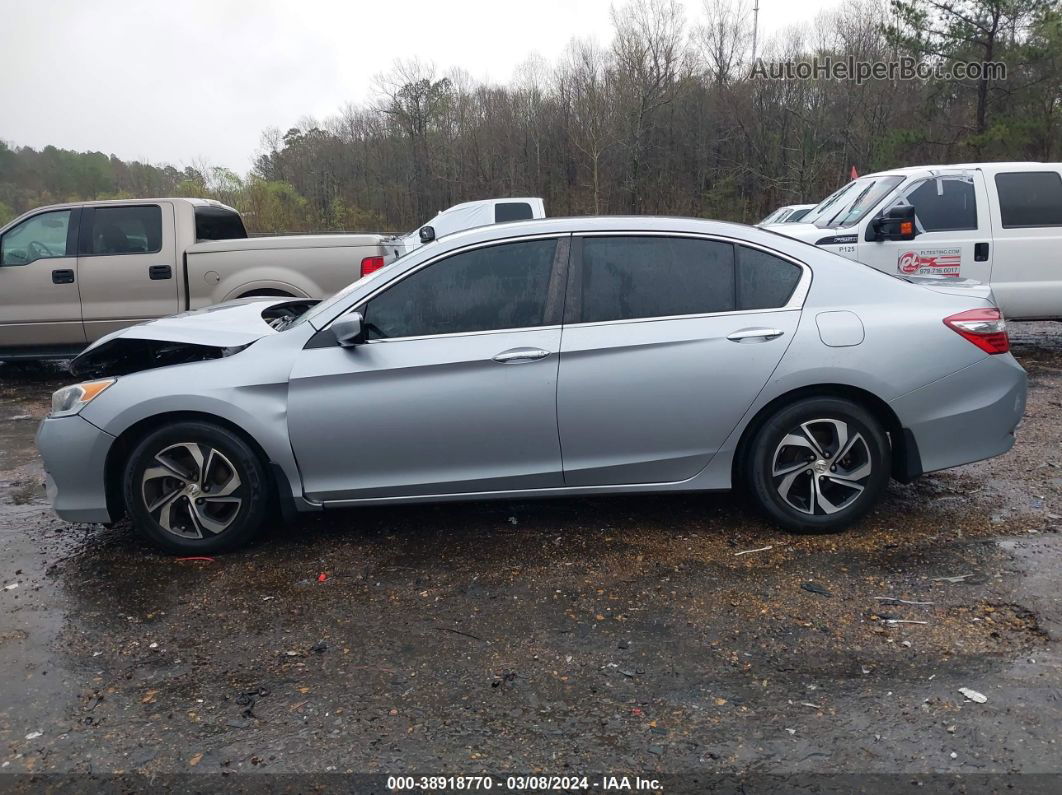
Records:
x=303, y=266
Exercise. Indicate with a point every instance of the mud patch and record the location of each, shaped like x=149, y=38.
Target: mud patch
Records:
x=624, y=634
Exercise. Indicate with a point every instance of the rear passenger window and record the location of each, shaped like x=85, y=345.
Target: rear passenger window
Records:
x=945, y=204
x=512, y=211
x=632, y=277
x=498, y=287
x=764, y=280
x=124, y=230
x=1030, y=198
x=625, y=278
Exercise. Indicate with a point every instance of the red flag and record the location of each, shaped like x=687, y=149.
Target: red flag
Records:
x=854, y=174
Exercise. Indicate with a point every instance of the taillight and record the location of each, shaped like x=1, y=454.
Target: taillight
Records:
x=371, y=265
x=985, y=328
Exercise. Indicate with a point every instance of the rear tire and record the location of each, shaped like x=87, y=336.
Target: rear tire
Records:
x=818, y=464
x=195, y=488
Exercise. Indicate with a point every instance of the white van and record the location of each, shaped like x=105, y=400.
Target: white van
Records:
x=998, y=223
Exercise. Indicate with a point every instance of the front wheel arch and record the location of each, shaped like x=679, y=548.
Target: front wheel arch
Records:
x=128, y=439
x=906, y=461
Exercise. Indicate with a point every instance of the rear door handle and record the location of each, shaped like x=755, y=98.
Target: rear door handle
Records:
x=755, y=334
x=159, y=272
x=519, y=355
x=63, y=276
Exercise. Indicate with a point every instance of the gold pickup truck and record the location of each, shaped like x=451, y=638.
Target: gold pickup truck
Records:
x=71, y=273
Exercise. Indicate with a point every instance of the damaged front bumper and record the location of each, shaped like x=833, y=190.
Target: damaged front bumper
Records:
x=214, y=332
x=75, y=459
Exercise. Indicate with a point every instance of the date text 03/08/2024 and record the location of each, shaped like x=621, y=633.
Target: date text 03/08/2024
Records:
x=534, y=783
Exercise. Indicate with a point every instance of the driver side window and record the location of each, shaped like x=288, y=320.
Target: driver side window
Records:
x=498, y=287
x=943, y=204
x=43, y=236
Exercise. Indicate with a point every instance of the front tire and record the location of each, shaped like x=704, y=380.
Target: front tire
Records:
x=196, y=488
x=818, y=464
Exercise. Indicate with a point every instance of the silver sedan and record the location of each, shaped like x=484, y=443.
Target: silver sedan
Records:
x=541, y=359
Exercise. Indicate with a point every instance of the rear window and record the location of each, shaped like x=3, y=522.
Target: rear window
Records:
x=634, y=277
x=124, y=230
x=512, y=211
x=1030, y=198
x=625, y=278
x=218, y=223
x=764, y=280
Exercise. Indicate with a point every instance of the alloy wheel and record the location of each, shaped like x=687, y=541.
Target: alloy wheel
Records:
x=821, y=467
x=192, y=490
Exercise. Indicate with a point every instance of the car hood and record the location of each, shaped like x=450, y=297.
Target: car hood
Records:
x=809, y=233
x=209, y=333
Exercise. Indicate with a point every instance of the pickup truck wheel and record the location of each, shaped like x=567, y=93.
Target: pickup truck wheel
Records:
x=195, y=487
x=818, y=464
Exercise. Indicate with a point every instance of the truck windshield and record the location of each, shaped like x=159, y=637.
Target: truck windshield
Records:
x=847, y=206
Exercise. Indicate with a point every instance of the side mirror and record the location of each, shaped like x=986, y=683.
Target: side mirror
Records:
x=896, y=223
x=427, y=234
x=348, y=330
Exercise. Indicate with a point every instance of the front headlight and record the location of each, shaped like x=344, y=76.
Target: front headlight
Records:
x=71, y=399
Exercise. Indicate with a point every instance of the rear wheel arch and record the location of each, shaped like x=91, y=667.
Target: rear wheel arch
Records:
x=268, y=292
x=906, y=463
x=127, y=440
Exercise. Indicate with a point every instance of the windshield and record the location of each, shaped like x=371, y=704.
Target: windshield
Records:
x=847, y=206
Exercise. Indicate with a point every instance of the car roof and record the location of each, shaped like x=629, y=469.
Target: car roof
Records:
x=591, y=224
x=194, y=201
x=485, y=202
x=988, y=168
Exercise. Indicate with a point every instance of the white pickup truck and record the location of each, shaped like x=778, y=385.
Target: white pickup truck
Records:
x=997, y=223
x=72, y=273
x=467, y=215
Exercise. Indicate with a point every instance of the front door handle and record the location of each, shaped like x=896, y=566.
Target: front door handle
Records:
x=755, y=334
x=159, y=272
x=63, y=276
x=980, y=252
x=518, y=355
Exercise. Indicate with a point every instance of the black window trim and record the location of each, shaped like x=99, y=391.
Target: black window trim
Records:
x=995, y=184
x=573, y=308
x=85, y=233
x=73, y=225
x=554, y=301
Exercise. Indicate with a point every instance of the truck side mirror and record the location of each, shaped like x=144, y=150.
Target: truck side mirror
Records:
x=348, y=330
x=427, y=234
x=896, y=223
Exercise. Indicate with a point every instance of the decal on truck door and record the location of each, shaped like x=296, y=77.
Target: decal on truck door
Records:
x=930, y=262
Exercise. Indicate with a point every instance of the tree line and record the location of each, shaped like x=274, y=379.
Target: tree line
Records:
x=669, y=117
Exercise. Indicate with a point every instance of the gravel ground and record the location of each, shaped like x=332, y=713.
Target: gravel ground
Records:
x=625, y=636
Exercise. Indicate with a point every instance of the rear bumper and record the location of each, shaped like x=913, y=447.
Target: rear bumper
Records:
x=967, y=416
x=75, y=454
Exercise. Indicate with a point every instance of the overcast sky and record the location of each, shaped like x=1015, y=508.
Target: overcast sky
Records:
x=179, y=81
